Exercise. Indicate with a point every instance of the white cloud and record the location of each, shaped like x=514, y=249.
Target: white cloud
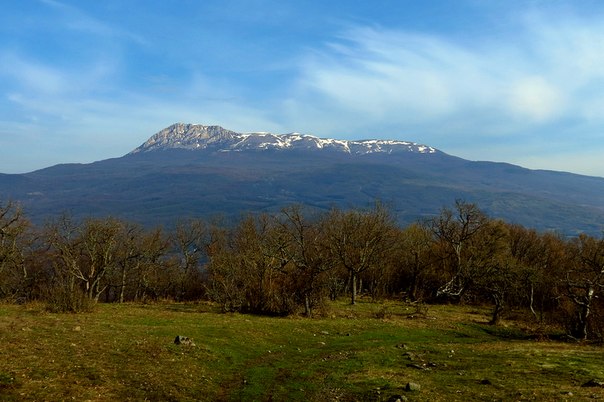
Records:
x=533, y=99
x=35, y=79
x=379, y=73
x=496, y=86
x=33, y=76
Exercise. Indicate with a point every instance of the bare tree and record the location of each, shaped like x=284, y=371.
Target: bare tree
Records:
x=128, y=257
x=153, y=271
x=191, y=240
x=414, y=256
x=13, y=233
x=359, y=241
x=491, y=267
x=260, y=260
x=247, y=268
x=454, y=228
x=307, y=251
x=139, y=252
x=537, y=258
x=85, y=253
x=585, y=279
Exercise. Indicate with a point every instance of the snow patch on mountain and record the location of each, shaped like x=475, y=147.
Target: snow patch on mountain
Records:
x=197, y=136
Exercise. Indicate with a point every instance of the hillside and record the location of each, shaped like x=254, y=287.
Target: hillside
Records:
x=193, y=170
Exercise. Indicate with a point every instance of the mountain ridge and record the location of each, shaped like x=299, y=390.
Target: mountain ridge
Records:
x=170, y=178
x=197, y=136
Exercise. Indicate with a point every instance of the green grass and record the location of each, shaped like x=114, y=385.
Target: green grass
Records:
x=126, y=352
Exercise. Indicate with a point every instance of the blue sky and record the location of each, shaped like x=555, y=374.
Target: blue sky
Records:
x=514, y=81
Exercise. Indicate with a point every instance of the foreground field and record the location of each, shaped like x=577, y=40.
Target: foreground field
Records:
x=367, y=352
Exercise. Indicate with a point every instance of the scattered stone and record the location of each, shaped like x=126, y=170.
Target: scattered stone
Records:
x=416, y=366
x=397, y=398
x=324, y=333
x=402, y=346
x=593, y=383
x=183, y=340
x=409, y=355
x=412, y=387
x=77, y=328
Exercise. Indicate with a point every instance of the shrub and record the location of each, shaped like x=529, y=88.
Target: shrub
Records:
x=62, y=299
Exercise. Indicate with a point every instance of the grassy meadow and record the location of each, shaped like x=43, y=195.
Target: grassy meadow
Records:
x=367, y=352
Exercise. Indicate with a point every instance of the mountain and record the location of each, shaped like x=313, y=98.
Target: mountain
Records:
x=216, y=138
x=190, y=170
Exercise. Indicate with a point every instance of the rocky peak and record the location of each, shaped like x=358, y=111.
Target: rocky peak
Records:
x=197, y=136
x=187, y=136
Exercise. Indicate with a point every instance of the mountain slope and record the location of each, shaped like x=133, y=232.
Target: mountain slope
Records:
x=193, y=170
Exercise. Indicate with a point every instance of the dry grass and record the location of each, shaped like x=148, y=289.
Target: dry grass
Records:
x=126, y=352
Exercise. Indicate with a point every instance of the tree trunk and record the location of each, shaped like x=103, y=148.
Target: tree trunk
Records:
x=123, y=287
x=307, y=309
x=496, y=317
x=353, y=280
x=583, y=316
x=413, y=288
x=584, y=313
x=532, y=301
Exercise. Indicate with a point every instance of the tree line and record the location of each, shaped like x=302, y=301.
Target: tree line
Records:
x=298, y=260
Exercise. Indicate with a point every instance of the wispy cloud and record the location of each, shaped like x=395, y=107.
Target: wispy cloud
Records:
x=33, y=76
x=77, y=20
x=488, y=86
x=36, y=78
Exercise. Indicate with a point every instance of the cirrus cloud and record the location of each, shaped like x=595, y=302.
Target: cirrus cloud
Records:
x=420, y=80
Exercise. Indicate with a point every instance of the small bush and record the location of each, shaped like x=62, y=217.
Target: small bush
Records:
x=383, y=313
x=61, y=299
